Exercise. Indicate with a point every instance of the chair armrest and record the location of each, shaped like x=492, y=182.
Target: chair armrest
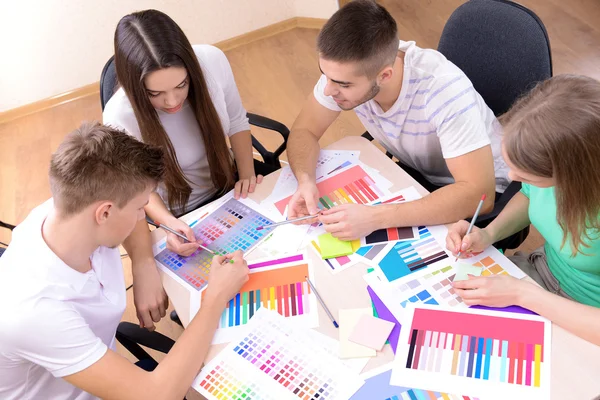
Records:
x=268, y=123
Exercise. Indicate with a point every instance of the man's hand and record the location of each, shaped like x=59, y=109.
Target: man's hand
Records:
x=349, y=221
x=226, y=278
x=149, y=297
x=304, y=202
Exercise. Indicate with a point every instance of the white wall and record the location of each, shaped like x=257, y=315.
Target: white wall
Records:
x=48, y=47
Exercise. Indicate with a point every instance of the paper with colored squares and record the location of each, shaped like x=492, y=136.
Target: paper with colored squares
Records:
x=491, y=354
x=280, y=285
x=275, y=360
x=433, y=285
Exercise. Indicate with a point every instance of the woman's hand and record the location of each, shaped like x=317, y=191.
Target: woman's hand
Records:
x=246, y=185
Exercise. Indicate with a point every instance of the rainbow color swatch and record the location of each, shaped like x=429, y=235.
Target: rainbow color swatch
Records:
x=352, y=185
x=282, y=288
x=479, y=351
x=230, y=227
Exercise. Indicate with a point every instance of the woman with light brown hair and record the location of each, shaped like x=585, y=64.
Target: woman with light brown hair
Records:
x=551, y=144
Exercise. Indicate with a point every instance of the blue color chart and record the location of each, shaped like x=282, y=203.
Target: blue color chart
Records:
x=229, y=228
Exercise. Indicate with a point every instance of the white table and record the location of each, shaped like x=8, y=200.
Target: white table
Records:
x=575, y=362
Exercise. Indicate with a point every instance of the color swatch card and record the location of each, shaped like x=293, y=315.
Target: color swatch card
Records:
x=377, y=387
x=491, y=354
x=232, y=226
x=401, y=196
x=339, y=264
x=348, y=319
x=350, y=185
x=281, y=287
x=433, y=285
x=275, y=360
x=395, y=260
x=394, y=234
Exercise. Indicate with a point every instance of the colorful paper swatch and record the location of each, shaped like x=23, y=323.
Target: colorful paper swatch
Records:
x=230, y=227
x=280, y=287
x=371, y=332
x=275, y=360
x=331, y=247
x=404, y=258
x=348, y=318
x=352, y=185
x=339, y=264
x=463, y=271
x=377, y=387
x=477, y=351
x=390, y=235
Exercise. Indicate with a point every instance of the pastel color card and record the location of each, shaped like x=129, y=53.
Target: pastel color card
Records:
x=464, y=270
x=332, y=247
x=371, y=332
x=352, y=185
x=491, y=354
x=348, y=319
x=384, y=312
x=232, y=226
x=275, y=360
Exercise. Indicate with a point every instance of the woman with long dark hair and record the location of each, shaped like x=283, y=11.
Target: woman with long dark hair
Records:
x=184, y=99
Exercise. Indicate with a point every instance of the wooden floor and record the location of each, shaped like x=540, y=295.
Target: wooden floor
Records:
x=274, y=76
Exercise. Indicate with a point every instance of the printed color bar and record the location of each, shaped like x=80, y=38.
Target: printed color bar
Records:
x=353, y=185
x=409, y=256
x=389, y=235
x=230, y=227
x=506, y=350
x=284, y=290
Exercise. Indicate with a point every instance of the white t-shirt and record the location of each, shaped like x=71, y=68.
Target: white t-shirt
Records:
x=182, y=127
x=438, y=115
x=55, y=321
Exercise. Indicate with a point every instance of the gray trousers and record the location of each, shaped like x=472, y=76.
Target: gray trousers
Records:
x=536, y=266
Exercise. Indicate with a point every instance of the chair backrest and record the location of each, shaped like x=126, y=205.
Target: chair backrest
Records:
x=108, y=81
x=501, y=46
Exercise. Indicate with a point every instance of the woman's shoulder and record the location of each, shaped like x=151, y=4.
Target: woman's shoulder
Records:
x=213, y=62
x=118, y=113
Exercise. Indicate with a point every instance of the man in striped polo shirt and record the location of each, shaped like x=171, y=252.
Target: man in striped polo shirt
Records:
x=417, y=105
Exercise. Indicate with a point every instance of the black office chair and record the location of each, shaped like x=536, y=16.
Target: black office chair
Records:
x=108, y=85
x=7, y=226
x=504, y=49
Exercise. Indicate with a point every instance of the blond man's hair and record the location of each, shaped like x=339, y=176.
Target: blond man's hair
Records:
x=96, y=162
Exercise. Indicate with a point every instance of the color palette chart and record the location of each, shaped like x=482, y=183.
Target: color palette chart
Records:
x=433, y=285
x=281, y=287
x=486, y=353
x=352, y=185
x=377, y=387
x=231, y=227
x=403, y=258
x=275, y=360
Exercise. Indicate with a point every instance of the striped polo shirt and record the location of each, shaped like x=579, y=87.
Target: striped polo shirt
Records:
x=438, y=115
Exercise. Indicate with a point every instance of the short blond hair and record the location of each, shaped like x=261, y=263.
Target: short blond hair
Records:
x=96, y=162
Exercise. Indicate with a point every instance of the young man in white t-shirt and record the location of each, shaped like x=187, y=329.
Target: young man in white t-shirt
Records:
x=62, y=288
x=414, y=102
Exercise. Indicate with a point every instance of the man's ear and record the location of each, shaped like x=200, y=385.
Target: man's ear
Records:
x=385, y=75
x=103, y=212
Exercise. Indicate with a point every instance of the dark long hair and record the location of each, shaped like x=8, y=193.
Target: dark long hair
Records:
x=147, y=41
